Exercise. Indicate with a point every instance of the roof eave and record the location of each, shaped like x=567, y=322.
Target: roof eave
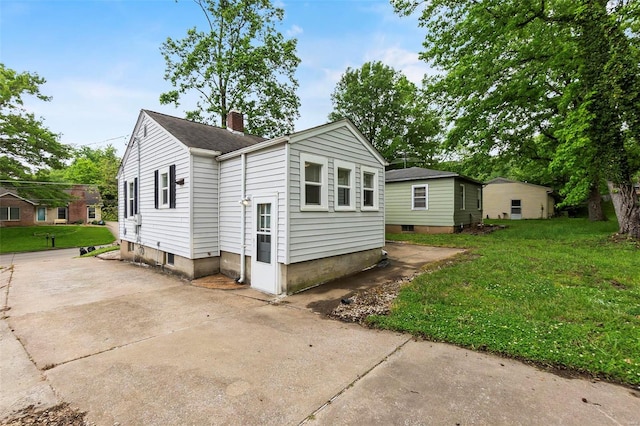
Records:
x=256, y=147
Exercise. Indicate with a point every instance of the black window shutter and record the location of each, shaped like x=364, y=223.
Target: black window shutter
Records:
x=172, y=186
x=155, y=189
x=126, y=200
x=135, y=196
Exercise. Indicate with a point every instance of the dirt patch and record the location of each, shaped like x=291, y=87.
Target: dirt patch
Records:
x=59, y=415
x=374, y=301
x=218, y=282
x=482, y=229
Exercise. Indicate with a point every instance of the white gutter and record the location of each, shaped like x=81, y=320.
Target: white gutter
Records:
x=243, y=216
x=201, y=152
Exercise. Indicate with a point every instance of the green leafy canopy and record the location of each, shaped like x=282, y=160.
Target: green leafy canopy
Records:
x=239, y=62
x=389, y=111
x=552, y=80
x=26, y=144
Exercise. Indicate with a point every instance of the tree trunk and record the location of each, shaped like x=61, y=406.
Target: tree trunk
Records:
x=625, y=202
x=596, y=212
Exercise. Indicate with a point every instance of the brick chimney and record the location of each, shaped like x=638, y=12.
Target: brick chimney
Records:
x=235, y=122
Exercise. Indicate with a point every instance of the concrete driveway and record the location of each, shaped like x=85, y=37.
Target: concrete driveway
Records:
x=132, y=346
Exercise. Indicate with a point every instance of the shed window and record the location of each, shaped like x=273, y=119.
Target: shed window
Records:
x=62, y=213
x=313, y=185
x=463, y=198
x=9, y=213
x=420, y=197
x=516, y=207
x=345, y=181
x=479, y=201
x=41, y=214
x=369, y=182
x=91, y=212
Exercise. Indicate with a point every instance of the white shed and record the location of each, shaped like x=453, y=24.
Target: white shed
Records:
x=281, y=214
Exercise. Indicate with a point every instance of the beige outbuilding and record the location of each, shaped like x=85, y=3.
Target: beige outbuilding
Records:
x=510, y=199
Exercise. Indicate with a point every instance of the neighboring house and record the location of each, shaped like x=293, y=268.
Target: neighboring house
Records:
x=15, y=210
x=281, y=214
x=430, y=201
x=510, y=199
x=84, y=207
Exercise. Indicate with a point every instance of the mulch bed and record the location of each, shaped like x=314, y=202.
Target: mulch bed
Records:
x=59, y=415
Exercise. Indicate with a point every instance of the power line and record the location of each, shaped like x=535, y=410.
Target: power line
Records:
x=41, y=182
x=97, y=143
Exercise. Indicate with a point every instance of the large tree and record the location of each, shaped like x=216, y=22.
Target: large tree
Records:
x=389, y=110
x=564, y=71
x=27, y=146
x=94, y=166
x=239, y=62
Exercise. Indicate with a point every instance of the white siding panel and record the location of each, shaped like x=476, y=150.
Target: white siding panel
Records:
x=168, y=229
x=205, y=207
x=230, y=210
x=314, y=235
x=266, y=176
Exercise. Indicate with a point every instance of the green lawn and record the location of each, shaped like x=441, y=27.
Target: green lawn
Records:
x=34, y=238
x=562, y=293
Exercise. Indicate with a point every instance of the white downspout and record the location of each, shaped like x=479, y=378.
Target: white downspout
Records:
x=243, y=215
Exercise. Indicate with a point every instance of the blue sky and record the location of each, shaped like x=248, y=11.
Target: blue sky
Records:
x=102, y=61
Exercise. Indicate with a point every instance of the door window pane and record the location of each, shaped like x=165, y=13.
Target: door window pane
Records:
x=42, y=214
x=264, y=248
x=264, y=217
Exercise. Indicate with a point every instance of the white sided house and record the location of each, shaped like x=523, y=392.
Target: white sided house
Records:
x=282, y=214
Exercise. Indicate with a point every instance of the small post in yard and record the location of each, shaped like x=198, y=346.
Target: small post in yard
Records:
x=53, y=240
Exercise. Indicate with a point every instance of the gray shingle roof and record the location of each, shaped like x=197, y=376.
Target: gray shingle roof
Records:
x=416, y=173
x=501, y=180
x=204, y=136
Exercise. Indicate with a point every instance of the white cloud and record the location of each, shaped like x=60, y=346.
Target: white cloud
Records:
x=294, y=31
x=402, y=60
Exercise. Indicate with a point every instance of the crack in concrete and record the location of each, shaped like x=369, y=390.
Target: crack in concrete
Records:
x=350, y=385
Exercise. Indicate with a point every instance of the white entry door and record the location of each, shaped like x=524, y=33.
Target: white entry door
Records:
x=264, y=253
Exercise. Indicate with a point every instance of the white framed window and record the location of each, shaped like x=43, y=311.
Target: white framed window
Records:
x=314, y=191
x=479, y=201
x=164, y=187
x=368, y=188
x=91, y=212
x=131, y=196
x=463, y=198
x=420, y=197
x=9, y=213
x=170, y=259
x=344, y=176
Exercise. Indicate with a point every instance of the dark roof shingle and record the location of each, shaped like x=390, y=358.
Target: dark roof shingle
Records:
x=416, y=173
x=204, y=136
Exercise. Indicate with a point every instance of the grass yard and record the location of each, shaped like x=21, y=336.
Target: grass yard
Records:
x=561, y=293
x=33, y=238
